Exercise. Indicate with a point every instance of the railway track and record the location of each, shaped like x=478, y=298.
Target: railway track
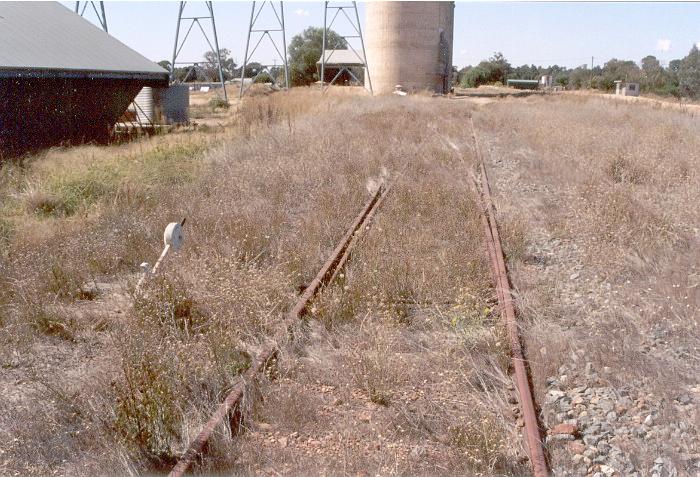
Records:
x=229, y=409
x=482, y=191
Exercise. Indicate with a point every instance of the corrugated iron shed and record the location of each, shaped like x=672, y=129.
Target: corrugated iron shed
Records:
x=62, y=79
x=45, y=39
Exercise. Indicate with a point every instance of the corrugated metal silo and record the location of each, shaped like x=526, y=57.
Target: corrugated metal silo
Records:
x=409, y=43
x=145, y=106
x=171, y=105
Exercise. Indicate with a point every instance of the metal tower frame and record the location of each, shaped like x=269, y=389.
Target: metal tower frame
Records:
x=178, y=45
x=358, y=30
x=265, y=32
x=101, y=15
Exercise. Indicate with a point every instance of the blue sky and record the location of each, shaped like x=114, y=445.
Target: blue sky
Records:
x=526, y=32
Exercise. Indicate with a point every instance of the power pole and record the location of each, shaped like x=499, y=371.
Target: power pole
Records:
x=195, y=20
x=264, y=32
x=590, y=81
x=354, y=20
x=101, y=15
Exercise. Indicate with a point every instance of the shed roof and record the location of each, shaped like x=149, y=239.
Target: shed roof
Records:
x=46, y=39
x=343, y=57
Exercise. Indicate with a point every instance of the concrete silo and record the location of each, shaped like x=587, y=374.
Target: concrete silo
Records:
x=409, y=43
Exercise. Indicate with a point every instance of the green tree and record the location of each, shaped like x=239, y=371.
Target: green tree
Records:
x=305, y=50
x=615, y=69
x=689, y=74
x=674, y=66
x=530, y=72
x=459, y=77
x=562, y=80
x=653, y=75
x=494, y=70
x=475, y=77
x=188, y=73
x=498, y=67
x=211, y=67
x=251, y=69
x=580, y=77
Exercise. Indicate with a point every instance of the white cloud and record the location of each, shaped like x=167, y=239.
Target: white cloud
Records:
x=698, y=45
x=301, y=12
x=663, y=44
x=463, y=52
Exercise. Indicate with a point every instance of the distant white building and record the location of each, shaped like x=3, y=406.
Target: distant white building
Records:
x=546, y=81
x=623, y=88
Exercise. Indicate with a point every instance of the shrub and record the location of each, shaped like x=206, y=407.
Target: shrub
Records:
x=218, y=103
x=147, y=415
x=168, y=302
x=480, y=437
x=50, y=323
x=62, y=283
x=78, y=188
x=475, y=77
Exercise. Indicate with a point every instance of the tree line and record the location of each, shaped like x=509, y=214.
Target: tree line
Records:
x=680, y=79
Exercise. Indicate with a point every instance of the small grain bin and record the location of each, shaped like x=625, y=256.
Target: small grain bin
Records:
x=143, y=106
x=169, y=105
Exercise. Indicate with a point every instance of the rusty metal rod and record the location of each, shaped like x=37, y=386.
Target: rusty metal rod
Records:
x=234, y=397
x=325, y=275
x=336, y=260
x=490, y=249
x=527, y=405
x=367, y=221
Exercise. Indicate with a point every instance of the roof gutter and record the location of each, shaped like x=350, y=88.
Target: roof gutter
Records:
x=152, y=78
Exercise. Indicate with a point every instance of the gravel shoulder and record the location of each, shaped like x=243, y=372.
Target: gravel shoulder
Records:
x=608, y=294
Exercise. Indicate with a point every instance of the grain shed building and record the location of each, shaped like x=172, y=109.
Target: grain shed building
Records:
x=62, y=79
x=342, y=67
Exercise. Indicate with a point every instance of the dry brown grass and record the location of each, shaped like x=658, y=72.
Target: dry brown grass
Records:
x=608, y=193
x=266, y=198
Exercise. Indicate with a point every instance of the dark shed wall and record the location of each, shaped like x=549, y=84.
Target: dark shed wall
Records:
x=40, y=112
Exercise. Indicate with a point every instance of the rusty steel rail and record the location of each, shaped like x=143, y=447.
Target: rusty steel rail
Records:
x=507, y=308
x=229, y=407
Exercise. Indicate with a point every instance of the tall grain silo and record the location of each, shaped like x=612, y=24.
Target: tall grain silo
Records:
x=409, y=43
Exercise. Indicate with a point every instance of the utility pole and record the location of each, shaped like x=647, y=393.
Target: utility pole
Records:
x=275, y=27
x=590, y=81
x=100, y=14
x=352, y=19
x=197, y=20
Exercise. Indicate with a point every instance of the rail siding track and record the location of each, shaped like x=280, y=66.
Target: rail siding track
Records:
x=499, y=272
x=230, y=407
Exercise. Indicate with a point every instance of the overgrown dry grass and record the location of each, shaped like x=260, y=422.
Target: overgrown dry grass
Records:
x=390, y=364
x=608, y=194
x=266, y=198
